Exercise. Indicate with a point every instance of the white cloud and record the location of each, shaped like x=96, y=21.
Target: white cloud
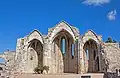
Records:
x=96, y=2
x=112, y=15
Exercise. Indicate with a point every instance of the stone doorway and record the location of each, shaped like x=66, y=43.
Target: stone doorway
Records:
x=64, y=53
x=35, y=55
x=91, y=58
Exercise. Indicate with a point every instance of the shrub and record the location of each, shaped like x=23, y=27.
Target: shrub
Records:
x=38, y=70
x=46, y=68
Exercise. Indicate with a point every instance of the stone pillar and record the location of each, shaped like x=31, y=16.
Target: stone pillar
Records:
x=47, y=59
x=81, y=69
x=99, y=55
x=69, y=55
x=77, y=57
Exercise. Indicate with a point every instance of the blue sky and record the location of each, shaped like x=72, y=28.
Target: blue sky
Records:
x=19, y=17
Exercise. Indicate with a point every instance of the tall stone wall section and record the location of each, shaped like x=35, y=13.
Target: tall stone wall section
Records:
x=113, y=56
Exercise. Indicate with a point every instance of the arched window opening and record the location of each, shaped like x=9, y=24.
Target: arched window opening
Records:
x=72, y=50
x=63, y=51
x=63, y=46
x=87, y=54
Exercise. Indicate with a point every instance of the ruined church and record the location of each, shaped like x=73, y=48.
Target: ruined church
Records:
x=63, y=50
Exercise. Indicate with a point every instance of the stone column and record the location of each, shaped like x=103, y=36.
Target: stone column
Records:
x=77, y=56
x=69, y=55
x=47, y=50
x=45, y=53
x=81, y=69
x=99, y=55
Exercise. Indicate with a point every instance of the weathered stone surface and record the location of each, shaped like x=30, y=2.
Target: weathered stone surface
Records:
x=45, y=50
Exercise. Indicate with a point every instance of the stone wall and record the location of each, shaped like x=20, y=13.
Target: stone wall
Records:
x=113, y=56
x=20, y=62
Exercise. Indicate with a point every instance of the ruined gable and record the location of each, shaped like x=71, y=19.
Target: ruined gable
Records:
x=82, y=54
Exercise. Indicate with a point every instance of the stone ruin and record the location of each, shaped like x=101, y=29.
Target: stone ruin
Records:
x=63, y=50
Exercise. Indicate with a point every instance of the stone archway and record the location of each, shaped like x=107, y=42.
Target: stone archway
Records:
x=64, y=60
x=35, y=55
x=90, y=55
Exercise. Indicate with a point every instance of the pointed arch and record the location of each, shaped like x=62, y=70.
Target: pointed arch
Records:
x=91, y=56
x=63, y=37
x=62, y=26
x=35, y=54
x=35, y=50
x=63, y=45
x=91, y=44
x=90, y=35
x=35, y=34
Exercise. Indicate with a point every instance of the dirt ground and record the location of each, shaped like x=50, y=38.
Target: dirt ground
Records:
x=96, y=75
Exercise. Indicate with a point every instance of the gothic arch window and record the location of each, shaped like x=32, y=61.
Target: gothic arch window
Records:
x=72, y=50
x=87, y=54
x=63, y=45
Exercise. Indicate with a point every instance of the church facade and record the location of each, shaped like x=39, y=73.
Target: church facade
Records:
x=63, y=50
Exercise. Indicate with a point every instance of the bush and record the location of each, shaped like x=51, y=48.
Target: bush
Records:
x=109, y=40
x=46, y=68
x=39, y=70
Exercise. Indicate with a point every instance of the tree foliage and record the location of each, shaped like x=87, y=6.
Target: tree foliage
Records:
x=110, y=40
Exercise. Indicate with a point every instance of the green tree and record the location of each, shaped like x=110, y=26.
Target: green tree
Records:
x=109, y=40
